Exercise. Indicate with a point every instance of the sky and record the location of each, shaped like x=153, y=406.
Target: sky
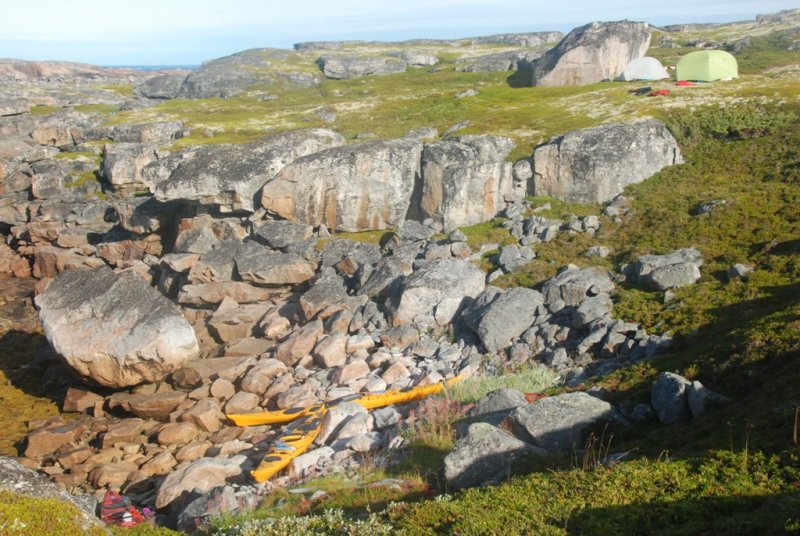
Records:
x=187, y=32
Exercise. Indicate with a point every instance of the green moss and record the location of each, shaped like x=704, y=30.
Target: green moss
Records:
x=97, y=108
x=27, y=516
x=723, y=493
x=44, y=110
x=82, y=179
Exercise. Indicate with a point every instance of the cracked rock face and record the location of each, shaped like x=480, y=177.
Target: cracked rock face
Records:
x=113, y=329
x=592, y=53
x=593, y=165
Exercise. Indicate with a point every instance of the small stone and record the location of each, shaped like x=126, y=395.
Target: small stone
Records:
x=177, y=433
x=222, y=389
x=242, y=402
x=355, y=370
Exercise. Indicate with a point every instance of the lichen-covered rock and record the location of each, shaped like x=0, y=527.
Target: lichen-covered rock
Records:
x=670, y=398
x=165, y=86
x=676, y=269
x=592, y=53
x=593, y=165
x=361, y=187
x=233, y=175
x=230, y=75
x=114, y=329
x=557, y=423
x=465, y=179
x=501, y=317
x=485, y=455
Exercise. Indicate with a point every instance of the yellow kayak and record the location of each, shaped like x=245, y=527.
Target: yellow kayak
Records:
x=369, y=401
x=273, y=417
x=401, y=396
x=289, y=445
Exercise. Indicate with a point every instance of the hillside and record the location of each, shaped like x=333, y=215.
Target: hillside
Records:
x=283, y=228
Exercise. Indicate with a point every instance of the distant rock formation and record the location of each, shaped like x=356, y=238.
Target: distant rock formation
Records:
x=592, y=53
x=342, y=67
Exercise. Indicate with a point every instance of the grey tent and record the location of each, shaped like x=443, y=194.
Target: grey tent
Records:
x=644, y=68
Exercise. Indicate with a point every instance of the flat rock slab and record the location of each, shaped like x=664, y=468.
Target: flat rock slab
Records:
x=113, y=329
x=483, y=456
x=557, y=423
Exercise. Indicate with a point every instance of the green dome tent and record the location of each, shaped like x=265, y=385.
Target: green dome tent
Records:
x=706, y=66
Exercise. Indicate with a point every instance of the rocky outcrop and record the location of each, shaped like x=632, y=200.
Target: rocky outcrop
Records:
x=435, y=293
x=123, y=164
x=166, y=86
x=232, y=176
x=594, y=165
x=592, y=53
x=465, y=179
x=343, y=67
x=527, y=39
x=499, y=61
x=114, y=329
x=355, y=188
x=231, y=75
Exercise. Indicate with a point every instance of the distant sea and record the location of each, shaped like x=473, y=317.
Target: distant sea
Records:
x=153, y=67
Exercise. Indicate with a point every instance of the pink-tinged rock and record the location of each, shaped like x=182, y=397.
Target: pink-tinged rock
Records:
x=296, y=396
x=333, y=419
x=179, y=433
x=74, y=457
x=210, y=294
x=51, y=261
x=197, y=371
x=395, y=372
x=355, y=370
x=104, y=457
x=248, y=347
x=124, y=431
x=159, y=464
x=242, y=402
x=79, y=400
x=113, y=475
x=51, y=438
x=129, y=333
x=229, y=448
x=331, y=351
x=299, y=344
x=222, y=389
x=279, y=385
x=305, y=464
x=180, y=262
x=232, y=321
x=155, y=406
x=259, y=378
x=206, y=414
x=193, y=451
x=201, y=476
x=359, y=342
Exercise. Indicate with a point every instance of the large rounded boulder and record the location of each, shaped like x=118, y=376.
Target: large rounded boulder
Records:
x=113, y=329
